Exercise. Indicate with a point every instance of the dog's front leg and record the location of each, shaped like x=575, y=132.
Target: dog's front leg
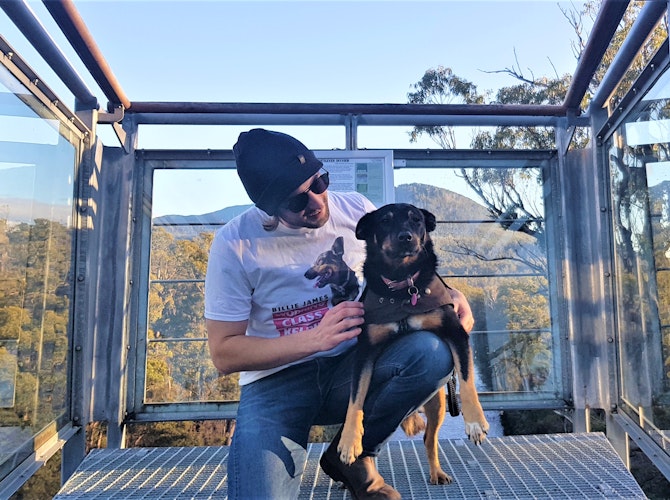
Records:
x=351, y=442
x=476, y=426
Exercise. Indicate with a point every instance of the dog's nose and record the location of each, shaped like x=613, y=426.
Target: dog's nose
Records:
x=405, y=236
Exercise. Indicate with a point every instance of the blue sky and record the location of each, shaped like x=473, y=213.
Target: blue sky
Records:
x=305, y=51
x=319, y=51
x=309, y=51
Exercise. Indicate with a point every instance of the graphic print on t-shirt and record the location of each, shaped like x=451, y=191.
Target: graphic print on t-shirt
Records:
x=329, y=268
x=294, y=318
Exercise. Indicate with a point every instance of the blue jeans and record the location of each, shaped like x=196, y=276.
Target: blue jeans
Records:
x=268, y=452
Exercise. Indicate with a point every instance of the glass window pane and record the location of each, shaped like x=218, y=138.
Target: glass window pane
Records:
x=37, y=166
x=182, y=371
x=639, y=166
x=490, y=241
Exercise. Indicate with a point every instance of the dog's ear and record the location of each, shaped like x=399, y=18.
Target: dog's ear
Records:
x=338, y=246
x=431, y=222
x=364, y=225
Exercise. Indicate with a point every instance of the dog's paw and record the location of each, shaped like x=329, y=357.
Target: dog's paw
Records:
x=440, y=477
x=349, y=450
x=477, y=431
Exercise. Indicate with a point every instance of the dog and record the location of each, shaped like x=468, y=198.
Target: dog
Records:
x=403, y=294
x=330, y=269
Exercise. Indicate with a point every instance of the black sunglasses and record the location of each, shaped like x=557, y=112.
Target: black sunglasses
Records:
x=298, y=202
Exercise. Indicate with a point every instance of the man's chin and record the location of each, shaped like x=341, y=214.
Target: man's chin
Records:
x=317, y=221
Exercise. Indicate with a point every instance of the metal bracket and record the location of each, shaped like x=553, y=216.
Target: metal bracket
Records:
x=114, y=117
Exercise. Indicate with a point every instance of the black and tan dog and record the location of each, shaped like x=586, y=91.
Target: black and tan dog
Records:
x=404, y=294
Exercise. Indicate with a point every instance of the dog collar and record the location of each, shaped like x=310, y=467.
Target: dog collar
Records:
x=406, y=283
x=381, y=309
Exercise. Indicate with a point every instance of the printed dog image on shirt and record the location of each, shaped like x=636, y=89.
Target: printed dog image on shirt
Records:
x=329, y=268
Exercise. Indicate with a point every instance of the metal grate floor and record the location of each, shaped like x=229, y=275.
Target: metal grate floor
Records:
x=582, y=465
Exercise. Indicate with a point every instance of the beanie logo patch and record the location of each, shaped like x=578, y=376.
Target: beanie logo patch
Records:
x=302, y=159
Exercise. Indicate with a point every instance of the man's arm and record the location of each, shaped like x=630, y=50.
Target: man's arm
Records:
x=462, y=308
x=232, y=350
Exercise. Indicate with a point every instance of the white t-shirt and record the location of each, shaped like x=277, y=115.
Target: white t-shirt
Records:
x=271, y=278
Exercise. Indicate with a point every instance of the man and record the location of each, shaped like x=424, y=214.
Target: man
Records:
x=290, y=332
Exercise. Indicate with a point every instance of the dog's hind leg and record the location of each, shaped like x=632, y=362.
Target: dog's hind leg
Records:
x=435, y=411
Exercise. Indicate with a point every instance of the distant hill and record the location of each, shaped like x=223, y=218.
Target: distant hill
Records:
x=190, y=226
x=660, y=191
x=26, y=194
x=216, y=218
x=444, y=204
x=26, y=210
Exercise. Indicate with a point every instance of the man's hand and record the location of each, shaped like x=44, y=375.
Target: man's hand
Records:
x=341, y=323
x=462, y=308
x=233, y=351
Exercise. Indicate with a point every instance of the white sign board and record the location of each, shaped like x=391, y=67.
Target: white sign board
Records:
x=368, y=172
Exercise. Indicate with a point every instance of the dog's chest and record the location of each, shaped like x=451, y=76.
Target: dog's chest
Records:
x=380, y=309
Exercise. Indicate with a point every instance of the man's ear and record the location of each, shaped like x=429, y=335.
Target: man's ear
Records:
x=431, y=222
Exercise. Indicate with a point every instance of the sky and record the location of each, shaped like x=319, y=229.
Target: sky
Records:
x=305, y=52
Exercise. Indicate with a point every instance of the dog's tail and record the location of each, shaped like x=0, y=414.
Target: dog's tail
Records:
x=413, y=424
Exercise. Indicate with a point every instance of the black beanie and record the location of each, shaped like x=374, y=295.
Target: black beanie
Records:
x=272, y=165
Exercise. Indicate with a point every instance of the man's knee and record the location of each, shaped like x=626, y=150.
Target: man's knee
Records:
x=421, y=353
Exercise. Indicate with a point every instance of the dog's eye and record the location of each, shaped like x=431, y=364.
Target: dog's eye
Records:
x=386, y=219
x=415, y=218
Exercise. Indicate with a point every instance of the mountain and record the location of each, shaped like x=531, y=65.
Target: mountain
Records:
x=216, y=218
x=190, y=226
x=444, y=204
x=660, y=192
x=28, y=192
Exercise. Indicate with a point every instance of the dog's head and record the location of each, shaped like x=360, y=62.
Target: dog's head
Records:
x=397, y=234
x=329, y=267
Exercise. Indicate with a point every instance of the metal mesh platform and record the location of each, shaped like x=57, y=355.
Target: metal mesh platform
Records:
x=540, y=466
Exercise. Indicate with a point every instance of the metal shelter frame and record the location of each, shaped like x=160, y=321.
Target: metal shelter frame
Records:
x=125, y=116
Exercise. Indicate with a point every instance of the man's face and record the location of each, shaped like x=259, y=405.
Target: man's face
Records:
x=316, y=212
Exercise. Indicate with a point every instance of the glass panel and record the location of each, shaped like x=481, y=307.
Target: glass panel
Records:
x=490, y=241
x=188, y=206
x=491, y=245
x=516, y=354
x=639, y=165
x=182, y=371
x=36, y=243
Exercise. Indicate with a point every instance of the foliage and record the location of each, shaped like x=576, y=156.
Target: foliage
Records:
x=442, y=86
x=497, y=189
x=34, y=316
x=178, y=366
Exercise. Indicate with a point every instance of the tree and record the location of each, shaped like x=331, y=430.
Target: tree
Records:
x=497, y=190
x=639, y=240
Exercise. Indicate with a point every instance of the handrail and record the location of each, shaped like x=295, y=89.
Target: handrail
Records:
x=25, y=20
x=642, y=27
x=610, y=14
x=72, y=25
x=607, y=21
x=229, y=113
